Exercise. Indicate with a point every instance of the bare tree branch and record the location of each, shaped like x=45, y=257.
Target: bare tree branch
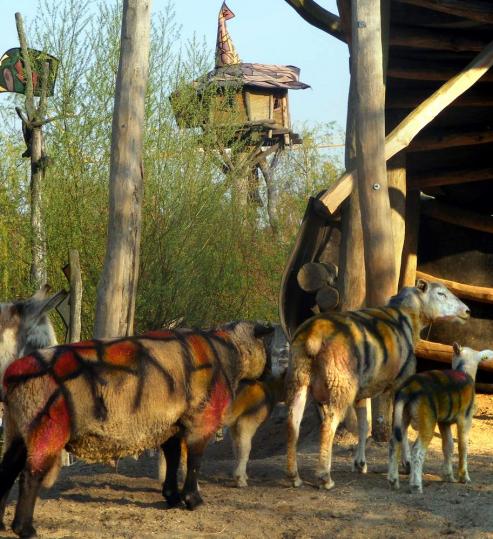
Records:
x=319, y=17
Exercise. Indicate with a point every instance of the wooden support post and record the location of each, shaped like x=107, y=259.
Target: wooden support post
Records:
x=396, y=177
x=410, y=249
x=75, y=296
x=372, y=174
x=351, y=282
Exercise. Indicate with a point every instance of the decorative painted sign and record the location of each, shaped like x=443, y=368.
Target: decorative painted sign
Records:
x=12, y=73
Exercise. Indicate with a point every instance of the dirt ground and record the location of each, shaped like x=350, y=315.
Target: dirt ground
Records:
x=97, y=501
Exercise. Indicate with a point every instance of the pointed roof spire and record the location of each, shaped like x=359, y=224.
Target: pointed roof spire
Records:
x=225, y=50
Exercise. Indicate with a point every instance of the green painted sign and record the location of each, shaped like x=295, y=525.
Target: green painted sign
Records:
x=12, y=73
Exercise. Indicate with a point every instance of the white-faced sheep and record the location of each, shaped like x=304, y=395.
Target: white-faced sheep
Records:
x=345, y=357
x=25, y=326
x=106, y=399
x=445, y=397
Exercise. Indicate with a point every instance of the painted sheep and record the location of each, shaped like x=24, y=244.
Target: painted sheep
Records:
x=25, y=326
x=252, y=406
x=445, y=397
x=105, y=399
x=345, y=357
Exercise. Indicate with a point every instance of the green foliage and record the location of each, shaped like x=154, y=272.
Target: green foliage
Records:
x=205, y=255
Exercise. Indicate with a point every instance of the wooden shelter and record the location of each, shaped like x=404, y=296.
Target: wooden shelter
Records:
x=416, y=200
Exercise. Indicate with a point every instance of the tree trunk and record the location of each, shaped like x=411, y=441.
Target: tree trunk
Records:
x=118, y=282
x=38, y=242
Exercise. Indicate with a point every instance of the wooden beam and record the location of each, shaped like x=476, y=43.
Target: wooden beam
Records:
x=437, y=351
x=426, y=70
x=437, y=140
x=449, y=177
x=319, y=17
x=484, y=388
x=476, y=10
x=414, y=122
x=412, y=99
x=482, y=294
x=422, y=38
x=457, y=216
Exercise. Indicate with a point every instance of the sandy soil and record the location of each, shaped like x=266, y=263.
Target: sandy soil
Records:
x=96, y=501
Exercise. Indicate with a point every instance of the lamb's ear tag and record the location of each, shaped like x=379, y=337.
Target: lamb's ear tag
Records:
x=422, y=285
x=457, y=348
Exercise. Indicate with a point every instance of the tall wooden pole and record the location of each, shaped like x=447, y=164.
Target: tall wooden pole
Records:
x=33, y=122
x=117, y=285
x=372, y=174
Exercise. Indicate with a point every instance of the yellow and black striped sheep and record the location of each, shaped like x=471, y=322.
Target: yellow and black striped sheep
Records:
x=106, y=399
x=445, y=397
x=341, y=358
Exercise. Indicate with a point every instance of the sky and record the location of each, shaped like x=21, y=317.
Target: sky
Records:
x=274, y=35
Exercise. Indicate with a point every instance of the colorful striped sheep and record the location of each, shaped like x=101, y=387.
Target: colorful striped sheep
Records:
x=445, y=397
x=341, y=358
x=103, y=400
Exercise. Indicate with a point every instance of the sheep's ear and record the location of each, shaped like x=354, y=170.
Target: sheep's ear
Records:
x=422, y=285
x=261, y=329
x=457, y=348
x=34, y=307
x=42, y=293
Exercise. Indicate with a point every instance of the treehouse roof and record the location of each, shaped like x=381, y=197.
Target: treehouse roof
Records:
x=255, y=76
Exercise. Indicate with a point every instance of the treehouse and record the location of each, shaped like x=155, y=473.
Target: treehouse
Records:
x=252, y=98
x=416, y=200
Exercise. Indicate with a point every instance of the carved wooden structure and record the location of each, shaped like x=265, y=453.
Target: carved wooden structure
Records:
x=437, y=143
x=245, y=106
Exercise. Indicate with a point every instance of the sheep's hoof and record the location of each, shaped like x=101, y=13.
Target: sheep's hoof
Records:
x=326, y=484
x=449, y=477
x=394, y=483
x=193, y=500
x=241, y=482
x=25, y=532
x=406, y=467
x=297, y=481
x=416, y=489
x=360, y=466
x=464, y=478
x=173, y=499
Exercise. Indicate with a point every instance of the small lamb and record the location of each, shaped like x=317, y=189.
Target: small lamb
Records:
x=425, y=399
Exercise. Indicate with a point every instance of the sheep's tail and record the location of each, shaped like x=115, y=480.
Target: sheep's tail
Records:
x=313, y=341
x=398, y=413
